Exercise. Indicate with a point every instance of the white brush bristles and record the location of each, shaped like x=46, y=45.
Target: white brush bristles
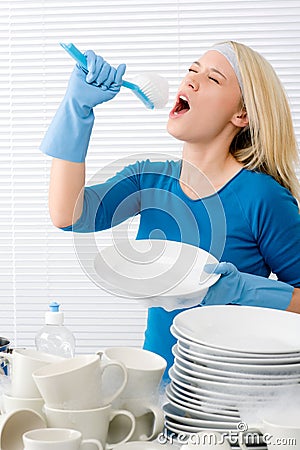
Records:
x=155, y=87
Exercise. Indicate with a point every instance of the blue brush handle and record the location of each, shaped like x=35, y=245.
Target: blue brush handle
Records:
x=81, y=59
x=76, y=54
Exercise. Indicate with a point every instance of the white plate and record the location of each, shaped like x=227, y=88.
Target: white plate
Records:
x=234, y=389
x=154, y=268
x=197, y=391
x=211, y=411
x=196, y=412
x=201, y=397
x=180, y=428
x=205, y=401
x=268, y=361
x=226, y=394
x=204, y=404
x=221, y=397
x=181, y=415
x=197, y=372
x=242, y=328
x=251, y=372
x=216, y=353
x=215, y=417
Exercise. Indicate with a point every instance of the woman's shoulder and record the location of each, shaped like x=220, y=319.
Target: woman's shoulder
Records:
x=259, y=179
x=264, y=203
x=262, y=188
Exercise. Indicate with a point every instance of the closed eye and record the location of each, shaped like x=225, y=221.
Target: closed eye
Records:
x=214, y=79
x=211, y=78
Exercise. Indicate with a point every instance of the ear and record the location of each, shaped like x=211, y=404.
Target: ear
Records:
x=240, y=119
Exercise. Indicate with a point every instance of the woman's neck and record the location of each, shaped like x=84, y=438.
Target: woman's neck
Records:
x=205, y=170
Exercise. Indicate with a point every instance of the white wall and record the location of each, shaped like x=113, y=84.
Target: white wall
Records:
x=37, y=262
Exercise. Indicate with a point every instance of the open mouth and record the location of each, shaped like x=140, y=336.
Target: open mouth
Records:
x=182, y=105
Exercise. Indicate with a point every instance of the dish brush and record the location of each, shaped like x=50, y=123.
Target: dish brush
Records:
x=150, y=88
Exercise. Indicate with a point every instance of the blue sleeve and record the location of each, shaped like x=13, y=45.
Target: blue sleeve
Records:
x=275, y=224
x=108, y=204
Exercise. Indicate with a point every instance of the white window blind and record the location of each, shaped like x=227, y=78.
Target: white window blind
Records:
x=38, y=263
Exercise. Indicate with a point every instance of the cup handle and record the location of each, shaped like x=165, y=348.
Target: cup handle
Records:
x=139, y=410
x=122, y=412
x=92, y=441
x=159, y=420
x=112, y=397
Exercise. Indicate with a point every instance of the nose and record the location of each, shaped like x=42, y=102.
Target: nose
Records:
x=192, y=81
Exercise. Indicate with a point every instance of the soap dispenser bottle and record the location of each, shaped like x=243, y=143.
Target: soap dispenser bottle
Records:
x=54, y=337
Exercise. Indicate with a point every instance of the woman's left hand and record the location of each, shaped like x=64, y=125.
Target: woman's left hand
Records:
x=241, y=288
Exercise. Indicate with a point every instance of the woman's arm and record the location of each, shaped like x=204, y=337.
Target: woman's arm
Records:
x=68, y=135
x=294, y=306
x=67, y=181
x=240, y=288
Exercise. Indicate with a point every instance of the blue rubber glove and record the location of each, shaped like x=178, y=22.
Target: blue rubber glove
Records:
x=69, y=133
x=239, y=288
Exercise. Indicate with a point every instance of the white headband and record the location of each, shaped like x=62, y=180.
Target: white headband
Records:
x=227, y=50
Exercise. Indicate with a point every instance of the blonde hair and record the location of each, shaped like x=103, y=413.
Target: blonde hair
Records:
x=269, y=143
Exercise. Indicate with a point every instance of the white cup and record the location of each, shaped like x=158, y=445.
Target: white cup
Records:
x=76, y=383
x=23, y=362
x=281, y=432
x=15, y=424
x=144, y=368
x=149, y=419
x=56, y=439
x=110, y=427
x=11, y=403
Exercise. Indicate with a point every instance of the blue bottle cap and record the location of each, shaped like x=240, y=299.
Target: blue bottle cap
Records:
x=54, y=307
x=54, y=316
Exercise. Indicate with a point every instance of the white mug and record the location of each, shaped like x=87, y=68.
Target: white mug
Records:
x=56, y=439
x=11, y=403
x=15, y=424
x=76, y=383
x=110, y=427
x=144, y=368
x=149, y=419
x=23, y=362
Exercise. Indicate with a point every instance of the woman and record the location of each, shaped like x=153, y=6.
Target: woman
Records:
x=239, y=147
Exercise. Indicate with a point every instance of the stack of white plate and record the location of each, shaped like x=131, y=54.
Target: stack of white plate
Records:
x=230, y=361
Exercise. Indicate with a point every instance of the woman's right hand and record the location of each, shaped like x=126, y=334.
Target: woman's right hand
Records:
x=100, y=84
x=69, y=133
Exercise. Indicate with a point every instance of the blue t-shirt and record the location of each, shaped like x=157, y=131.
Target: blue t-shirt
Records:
x=252, y=222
